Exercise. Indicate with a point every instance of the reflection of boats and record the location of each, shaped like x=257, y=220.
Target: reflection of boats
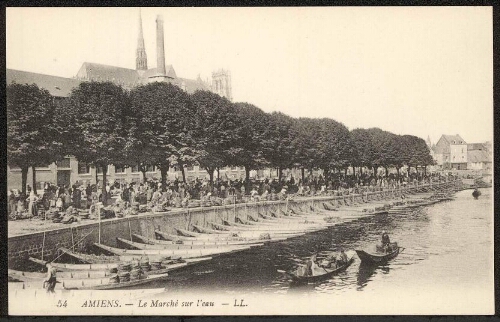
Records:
x=322, y=273
x=379, y=256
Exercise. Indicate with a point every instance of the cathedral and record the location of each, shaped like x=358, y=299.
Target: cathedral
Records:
x=129, y=78
x=69, y=170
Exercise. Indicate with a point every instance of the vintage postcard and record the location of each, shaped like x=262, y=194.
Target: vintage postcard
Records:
x=250, y=161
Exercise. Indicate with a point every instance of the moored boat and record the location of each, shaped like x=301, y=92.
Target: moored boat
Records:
x=319, y=273
x=135, y=245
x=184, y=253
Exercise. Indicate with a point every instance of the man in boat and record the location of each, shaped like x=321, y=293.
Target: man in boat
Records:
x=330, y=261
x=310, y=266
x=386, y=242
x=385, y=239
x=51, y=280
x=342, y=258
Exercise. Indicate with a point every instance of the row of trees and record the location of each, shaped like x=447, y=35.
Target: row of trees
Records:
x=159, y=124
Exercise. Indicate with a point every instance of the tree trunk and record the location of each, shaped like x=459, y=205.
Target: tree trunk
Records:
x=345, y=172
x=183, y=171
x=397, y=169
x=104, y=192
x=34, y=179
x=143, y=170
x=360, y=171
x=247, y=179
x=354, y=171
x=210, y=171
x=96, y=177
x=218, y=174
x=386, y=171
x=425, y=170
x=280, y=173
x=164, y=166
x=24, y=179
x=302, y=170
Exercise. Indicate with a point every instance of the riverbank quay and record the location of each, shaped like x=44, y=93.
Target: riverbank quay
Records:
x=80, y=237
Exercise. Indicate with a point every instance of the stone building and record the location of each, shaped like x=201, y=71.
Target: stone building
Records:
x=478, y=157
x=450, y=152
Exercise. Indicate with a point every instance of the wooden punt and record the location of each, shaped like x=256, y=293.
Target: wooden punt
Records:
x=319, y=274
x=250, y=230
x=152, y=241
x=61, y=275
x=280, y=225
x=205, y=230
x=111, y=286
x=178, y=238
x=63, y=267
x=89, y=284
x=88, y=258
x=379, y=257
x=188, y=253
x=135, y=245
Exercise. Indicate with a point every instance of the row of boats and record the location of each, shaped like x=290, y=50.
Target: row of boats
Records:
x=169, y=251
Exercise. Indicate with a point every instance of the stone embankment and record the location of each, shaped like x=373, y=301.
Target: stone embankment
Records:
x=81, y=237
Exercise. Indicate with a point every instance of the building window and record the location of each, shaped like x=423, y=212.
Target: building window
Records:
x=190, y=168
x=234, y=168
x=135, y=169
x=119, y=169
x=83, y=168
x=150, y=168
x=64, y=163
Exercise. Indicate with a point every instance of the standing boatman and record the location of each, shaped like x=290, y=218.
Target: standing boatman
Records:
x=51, y=280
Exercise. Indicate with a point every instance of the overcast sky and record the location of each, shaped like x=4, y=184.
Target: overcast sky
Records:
x=421, y=71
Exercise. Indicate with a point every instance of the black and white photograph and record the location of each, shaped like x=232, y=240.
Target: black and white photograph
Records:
x=249, y=161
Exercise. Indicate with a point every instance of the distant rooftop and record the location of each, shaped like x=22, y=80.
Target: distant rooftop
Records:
x=57, y=86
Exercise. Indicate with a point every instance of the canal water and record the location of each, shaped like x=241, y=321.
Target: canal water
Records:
x=448, y=245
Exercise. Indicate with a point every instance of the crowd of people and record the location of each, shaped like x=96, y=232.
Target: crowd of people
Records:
x=153, y=195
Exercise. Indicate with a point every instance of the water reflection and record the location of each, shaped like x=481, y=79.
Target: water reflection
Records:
x=366, y=271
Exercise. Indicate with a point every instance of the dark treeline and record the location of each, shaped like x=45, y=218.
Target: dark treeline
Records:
x=161, y=125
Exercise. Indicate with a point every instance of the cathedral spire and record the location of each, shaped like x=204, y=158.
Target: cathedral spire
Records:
x=141, y=60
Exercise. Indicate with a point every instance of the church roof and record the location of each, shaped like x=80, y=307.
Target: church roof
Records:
x=191, y=85
x=57, y=86
x=125, y=77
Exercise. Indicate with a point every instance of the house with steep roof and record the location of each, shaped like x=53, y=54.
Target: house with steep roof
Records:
x=478, y=157
x=450, y=152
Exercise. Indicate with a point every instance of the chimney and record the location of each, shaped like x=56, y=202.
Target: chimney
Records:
x=160, y=46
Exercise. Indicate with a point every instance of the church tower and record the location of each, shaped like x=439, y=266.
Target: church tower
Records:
x=221, y=84
x=141, y=60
